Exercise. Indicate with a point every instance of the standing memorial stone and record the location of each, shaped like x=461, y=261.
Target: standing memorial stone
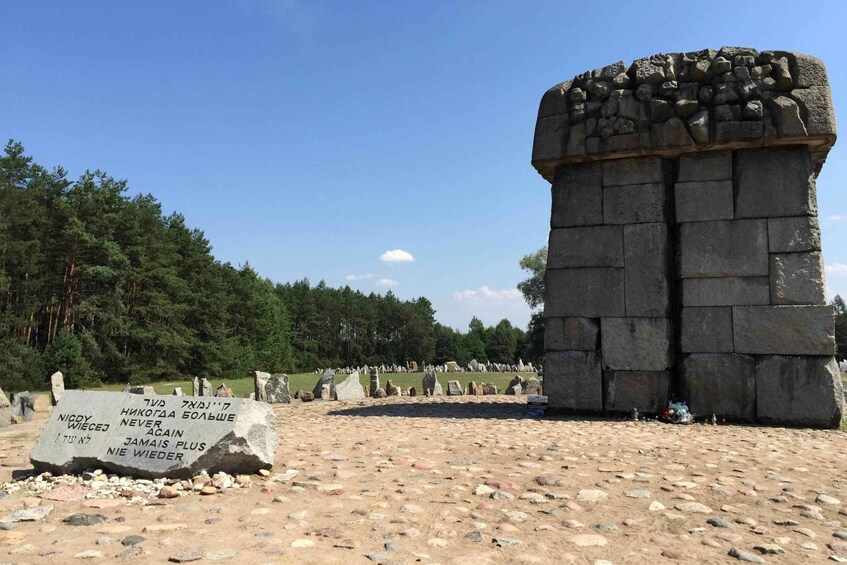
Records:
x=350, y=388
x=223, y=392
x=391, y=389
x=328, y=378
x=205, y=387
x=126, y=388
x=514, y=384
x=413, y=391
x=260, y=380
x=177, y=391
x=159, y=436
x=276, y=389
x=5, y=410
x=195, y=387
x=454, y=388
x=374, y=382
x=532, y=386
x=430, y=384
x=23, y=406
x=326, y=392
x=472, y=388
x=57, y=387
x=488, y=388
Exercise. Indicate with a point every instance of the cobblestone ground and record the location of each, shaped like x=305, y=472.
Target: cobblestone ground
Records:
x=471, y=480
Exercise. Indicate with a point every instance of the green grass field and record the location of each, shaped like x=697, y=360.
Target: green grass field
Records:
x=306, y=381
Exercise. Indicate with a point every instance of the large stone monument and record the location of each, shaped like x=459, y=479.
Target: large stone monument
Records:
x=685, y=254
x=156, y=436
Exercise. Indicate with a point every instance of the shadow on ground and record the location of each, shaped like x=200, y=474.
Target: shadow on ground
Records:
x=447, y=410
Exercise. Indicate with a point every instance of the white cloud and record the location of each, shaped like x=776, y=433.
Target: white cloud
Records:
x=837, y=218
x=386, y=282
x=359, y=277
x=396, y=256
x=486, y=294
x=836, y=270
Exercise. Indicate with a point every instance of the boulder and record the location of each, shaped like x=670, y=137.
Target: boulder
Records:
x=158, y=436
x=57, y=387
x=430, y=384
x=515, y=385
x=177, y=391
x=391, y=389
x=5, y=411
x=23, y=406
x=350, y=388
x=532, y=386
x=223, y=391
x=488, y=388
x=205, y=387
x=454, y=388
x=260, y=380
x=276, y=389
x=328, y=378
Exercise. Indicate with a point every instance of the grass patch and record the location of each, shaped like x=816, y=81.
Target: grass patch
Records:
x=306, y=381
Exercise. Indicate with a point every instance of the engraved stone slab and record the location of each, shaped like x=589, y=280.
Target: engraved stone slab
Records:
x=156, y=436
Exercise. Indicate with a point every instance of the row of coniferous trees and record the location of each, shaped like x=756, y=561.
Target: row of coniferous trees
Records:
x=106, y=288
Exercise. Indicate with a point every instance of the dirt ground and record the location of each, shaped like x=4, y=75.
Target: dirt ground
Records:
x=471, y=480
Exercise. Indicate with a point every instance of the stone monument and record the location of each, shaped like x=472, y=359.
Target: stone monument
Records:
x=350, y=388
x=57, y=387
x=685, y=253
x=5, y=410
x=156, y=436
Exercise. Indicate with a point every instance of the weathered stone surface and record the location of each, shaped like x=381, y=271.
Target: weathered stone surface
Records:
x=797, y=278
x=573, y=381
x=589, y=293
x=784, y=330
x=645, y=391
x=222, y=391
x=260, y=380
x=706, y=330
x=5, y=410
x=328, y=378
x=374, y=382
x=727, y=248
x=515, y=384
x=738, y=131
x=799, y=391
x=700, y=201
x=454, y=388
x=532, y=386
x=596, y=246
x=276, y=389
x=23, y=405
x=720, y=384
x=430, y=384
x=726, y=291
x=195, y=386
x=156, y=436
x=636, y=344
x=792, y=235
x=647, y=274
x=571, y=334
x=205, y=387
x=634, y=204
x=817, y=103
x=577, y=196
x=786, y=117
x=637, y=170
x=177, y=391
x=709, y=166
x=551, y=137
x=391, y=389
x=57, y=387
x=774, y=182
x=350, y=388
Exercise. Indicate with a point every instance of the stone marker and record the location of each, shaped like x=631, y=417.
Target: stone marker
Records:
x=57, y=387
x=374, y=374
x=223, y=391
x=472, y=388
x=488, y=388
x=413, y=391
x=142, y=390
x=126, y=388
x=532, y=386
x=195, y=387
x=177, y=391
x=515, y=385
x=23, y=406
x=328, y=378
x=5, y=410
x=391, y=389
x=380, y=393
x=454, y=388
x=326, y=391
x=350, y=388
x=205, y=387
x=156, y=436
x=276, y=389
x=430, y=385
x=260, y=379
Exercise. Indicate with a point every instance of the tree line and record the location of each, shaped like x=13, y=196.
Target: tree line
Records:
x=107, y=288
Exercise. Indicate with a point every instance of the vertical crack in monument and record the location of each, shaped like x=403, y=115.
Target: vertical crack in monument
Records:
x=685, y=254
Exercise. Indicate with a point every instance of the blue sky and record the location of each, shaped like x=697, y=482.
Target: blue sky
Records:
x=310, y=138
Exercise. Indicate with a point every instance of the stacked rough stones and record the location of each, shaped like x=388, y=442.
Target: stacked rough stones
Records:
x=684, y=254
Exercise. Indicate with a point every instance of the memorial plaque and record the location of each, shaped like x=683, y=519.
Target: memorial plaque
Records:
x=156, y=436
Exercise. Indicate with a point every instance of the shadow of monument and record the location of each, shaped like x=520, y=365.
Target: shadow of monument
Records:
x=457, y=410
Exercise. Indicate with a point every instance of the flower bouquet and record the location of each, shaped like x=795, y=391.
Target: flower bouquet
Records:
x=677, y=413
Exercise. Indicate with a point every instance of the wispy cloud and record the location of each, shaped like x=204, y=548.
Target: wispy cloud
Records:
x=359, y=277
x=396, y=256
x=837, y=218
x=386, y=282
x=486, y=294
x=836, y=270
